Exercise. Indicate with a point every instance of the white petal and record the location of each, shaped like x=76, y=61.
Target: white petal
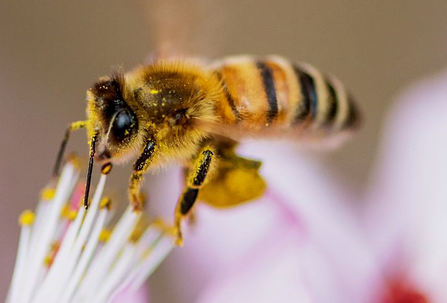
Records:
x=270, y=273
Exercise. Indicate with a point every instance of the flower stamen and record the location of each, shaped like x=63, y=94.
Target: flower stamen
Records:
x=90, y=263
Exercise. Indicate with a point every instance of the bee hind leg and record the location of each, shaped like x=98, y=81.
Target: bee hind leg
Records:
x=237, y=181
x=195, y=181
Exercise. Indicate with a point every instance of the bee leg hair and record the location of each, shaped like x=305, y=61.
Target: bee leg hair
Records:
x=140, y=167
x=195, y=181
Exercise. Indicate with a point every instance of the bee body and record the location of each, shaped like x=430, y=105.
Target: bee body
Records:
x=194, y=114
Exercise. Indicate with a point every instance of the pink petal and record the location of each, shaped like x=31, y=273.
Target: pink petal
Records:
x=268, y=274
x=288, y=266
x=408, y=197
x=326, y=209
x=320, y=256
x=219, y=239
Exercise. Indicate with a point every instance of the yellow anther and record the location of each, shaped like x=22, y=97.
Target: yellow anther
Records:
x=105, y=203
x=72, y=214
x=48, y=193
x=167, y=229
x=27, y=218
x=48, y=260
x=106, y=168
x=139, y=229
x=74, y=160
x=64, y=211
x=105, y=235
x=154, y=91
x=136, y=235
x=68, y=213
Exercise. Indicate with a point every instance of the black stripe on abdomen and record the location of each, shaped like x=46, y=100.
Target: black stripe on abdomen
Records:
x=332, y=104
x=309, y=100
x=229, y=98
x=352, y=120
x=270, y=91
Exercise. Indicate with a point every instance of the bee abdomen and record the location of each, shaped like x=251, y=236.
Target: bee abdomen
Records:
x=322, y=102
x=277, y=94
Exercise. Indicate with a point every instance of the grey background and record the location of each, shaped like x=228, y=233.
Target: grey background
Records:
x=51, y=51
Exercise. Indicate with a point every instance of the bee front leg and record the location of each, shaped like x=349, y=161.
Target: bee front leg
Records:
x=140, y=167
x=195, y=181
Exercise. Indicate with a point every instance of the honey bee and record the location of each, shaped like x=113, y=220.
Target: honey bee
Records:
x=194, y=114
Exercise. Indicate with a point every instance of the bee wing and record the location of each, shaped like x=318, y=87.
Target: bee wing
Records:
x=185, y=28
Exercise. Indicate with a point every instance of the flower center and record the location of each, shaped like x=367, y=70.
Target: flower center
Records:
x=401, y=292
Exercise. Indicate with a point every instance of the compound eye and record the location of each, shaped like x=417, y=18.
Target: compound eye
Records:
x=122, y=125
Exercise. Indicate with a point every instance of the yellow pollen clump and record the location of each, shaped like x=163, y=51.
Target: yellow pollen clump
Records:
x=27, y=218
x=78, y=125
x=154, y=91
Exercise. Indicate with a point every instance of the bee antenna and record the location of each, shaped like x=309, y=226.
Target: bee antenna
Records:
x=61, y=153
x=73, y=126
x=90, y=170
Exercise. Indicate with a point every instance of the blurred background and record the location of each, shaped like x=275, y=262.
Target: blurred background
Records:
x=51, y=52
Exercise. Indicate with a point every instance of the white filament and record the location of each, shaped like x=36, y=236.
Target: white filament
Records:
x=19, y=268
x=82, y=271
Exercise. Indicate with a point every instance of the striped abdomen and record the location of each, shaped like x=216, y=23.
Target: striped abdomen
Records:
x=272, y=95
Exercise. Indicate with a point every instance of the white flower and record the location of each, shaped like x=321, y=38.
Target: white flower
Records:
x=62, y=259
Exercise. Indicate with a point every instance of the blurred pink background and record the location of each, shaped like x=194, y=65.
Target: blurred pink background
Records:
x=50, y=53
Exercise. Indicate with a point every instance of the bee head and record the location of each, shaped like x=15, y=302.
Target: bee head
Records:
x=111, y=118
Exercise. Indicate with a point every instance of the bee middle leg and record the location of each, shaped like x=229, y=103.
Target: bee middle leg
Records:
x=140, y=167
x=195, y=181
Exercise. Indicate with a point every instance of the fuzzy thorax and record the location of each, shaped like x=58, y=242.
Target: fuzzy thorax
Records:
x=169, y=102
